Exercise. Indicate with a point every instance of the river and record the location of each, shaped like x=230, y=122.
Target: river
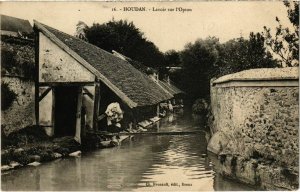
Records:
x=149, y=163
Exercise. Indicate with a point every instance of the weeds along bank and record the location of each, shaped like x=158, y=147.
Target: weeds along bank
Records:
x=255, y=126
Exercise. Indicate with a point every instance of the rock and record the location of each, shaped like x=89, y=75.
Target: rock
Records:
x=18, y=150
x=57, y=155
x=5, y=167
x=218, y=142
x=35, y=163
x=75, y=154
x=34, y=158
x=14, y=164
x=273, y=133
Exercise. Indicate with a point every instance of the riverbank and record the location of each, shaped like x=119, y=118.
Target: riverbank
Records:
x=32, y=146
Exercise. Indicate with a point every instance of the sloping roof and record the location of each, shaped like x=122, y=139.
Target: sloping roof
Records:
x=267, y=74
x=131, y=85
x=170, y=88
x=138, y=65
x=14, y=24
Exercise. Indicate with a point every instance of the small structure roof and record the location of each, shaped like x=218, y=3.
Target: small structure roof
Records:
x=170, y=88
x=131, y=85
x=14, y=24
x=267, y=74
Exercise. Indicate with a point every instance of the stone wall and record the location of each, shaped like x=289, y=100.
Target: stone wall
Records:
x=17, y=66
x=257, y=119
x=21, y=112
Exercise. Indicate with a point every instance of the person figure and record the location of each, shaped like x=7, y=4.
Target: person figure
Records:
x=170, y=107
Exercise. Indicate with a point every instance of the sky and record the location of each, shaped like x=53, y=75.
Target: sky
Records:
x=166, y=29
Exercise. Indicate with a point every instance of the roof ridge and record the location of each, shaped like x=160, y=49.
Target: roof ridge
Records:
x=14, y=17
x=89, y=44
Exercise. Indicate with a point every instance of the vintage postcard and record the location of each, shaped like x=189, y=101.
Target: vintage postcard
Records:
x=149, y=96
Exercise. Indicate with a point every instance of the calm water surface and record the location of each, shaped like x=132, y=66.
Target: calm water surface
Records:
x=148, y=163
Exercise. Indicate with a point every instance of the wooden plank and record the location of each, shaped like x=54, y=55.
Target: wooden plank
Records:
x=96, y=105
x=44, y=93
x=84, y=63
x=102, y=116
x=148, y=133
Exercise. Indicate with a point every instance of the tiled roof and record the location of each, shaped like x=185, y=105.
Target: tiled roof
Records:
x=14, y=24
x=134, y=84
x=267, y=74
x=170, y=88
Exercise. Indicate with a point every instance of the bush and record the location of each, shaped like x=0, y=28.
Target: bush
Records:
x=7, y=96
x=200, y=107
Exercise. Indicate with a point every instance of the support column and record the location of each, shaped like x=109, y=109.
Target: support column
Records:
x=78, y=116
x=97, y=99
x=53, y=112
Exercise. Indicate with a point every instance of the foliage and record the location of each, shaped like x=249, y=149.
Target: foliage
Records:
x=17, y=59
x=125, y=38
x=198, y=63
x=172, y=58
x=285, y=43
x=80, y=33
x=242, y=54
x=208, y=58
x=7, y=96
x=200, y=107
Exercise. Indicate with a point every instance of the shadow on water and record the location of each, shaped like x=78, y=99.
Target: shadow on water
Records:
x=156, y=162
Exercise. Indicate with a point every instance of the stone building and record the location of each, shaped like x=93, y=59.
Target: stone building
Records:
x=73, y=74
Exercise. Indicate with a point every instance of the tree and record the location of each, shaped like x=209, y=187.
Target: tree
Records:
x=241, y=54
x=285, y=43
x=172, y=58
x=125, y=38
x=205, y=59
x=80, y=33
x=199, y=61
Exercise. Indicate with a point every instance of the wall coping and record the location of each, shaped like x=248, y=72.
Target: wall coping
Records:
x=262, y=77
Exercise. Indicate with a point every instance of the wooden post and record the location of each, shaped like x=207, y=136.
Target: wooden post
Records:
x=78, y=116
x=36, y=76
x=157, y=110
x=97, y=99
x=53, y=112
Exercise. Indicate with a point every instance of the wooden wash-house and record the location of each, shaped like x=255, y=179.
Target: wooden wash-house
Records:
x=76, y=81
x=175, y=93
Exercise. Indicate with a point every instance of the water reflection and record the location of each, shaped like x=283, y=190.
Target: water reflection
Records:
x=143, y=163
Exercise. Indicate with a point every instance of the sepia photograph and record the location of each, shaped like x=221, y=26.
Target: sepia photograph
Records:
x=149, y=95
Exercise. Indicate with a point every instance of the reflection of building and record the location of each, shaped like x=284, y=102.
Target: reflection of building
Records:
x=73, y=74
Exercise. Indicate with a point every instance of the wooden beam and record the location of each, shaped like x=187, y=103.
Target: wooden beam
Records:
x=54, y=84
x=44, y=93
x=53, y=112
x=85, y=64
x=88, y=93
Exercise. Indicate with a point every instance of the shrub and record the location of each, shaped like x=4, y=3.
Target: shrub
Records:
x=7, y=96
